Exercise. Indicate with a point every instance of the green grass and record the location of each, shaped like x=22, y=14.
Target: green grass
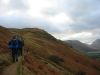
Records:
x=53, y=65
x=26, y=71
x=18, y=69
x=5, y=57
x=22, y=70
x=5, y=60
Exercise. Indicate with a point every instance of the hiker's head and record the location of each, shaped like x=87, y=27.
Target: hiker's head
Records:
x=15, y=37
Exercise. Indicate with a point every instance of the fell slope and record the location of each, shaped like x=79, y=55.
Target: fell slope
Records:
x=5, y=35
x=46, y=55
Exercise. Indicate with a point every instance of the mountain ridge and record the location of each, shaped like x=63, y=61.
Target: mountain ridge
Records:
x=96, y=44
x=82, y=47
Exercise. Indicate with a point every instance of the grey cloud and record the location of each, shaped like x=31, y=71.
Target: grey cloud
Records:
x=24, y=21
x=84, y=27
x=13, y=5
x=81, y=7
x=18, y=4
x=85, y=13
x=51, y=11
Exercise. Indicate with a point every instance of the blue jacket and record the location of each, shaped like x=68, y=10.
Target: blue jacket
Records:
x=15, y=44
x=12, y=44
x=18, y=44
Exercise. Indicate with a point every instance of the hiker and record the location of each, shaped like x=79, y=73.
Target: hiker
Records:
x=21, y=42
x=14, y=44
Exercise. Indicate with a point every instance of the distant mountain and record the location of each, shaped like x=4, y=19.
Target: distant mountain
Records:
x=79, y=46
x=96, y=44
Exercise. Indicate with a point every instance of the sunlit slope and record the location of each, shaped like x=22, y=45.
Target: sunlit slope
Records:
x=5, y=35
x=44, y=51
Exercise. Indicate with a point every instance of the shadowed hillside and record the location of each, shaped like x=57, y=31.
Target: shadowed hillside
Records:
x=84, y=49
x=79, y=46
x=45, y=55
x=96, y=44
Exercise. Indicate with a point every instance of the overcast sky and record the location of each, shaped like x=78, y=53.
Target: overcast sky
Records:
x=64, y=19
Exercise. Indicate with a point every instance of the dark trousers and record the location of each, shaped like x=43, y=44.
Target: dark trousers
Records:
x=20, y=51
x=14, y=55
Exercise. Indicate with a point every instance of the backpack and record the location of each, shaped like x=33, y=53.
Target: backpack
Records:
x=18, y=43
x=12, y=44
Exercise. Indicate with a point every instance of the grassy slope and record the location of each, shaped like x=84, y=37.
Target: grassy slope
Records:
x=42, y=45
x=5, y=35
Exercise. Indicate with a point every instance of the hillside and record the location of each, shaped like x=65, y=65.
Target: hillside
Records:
x=5, y=35
x=45, y=55
x=79, y=46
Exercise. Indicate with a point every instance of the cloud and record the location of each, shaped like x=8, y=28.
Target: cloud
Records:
x=81, y=36
x=60, y=18
x=65, y=19
x=18, y=4
x=85, y=37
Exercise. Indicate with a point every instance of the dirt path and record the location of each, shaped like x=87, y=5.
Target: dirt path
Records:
x=11, y=70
